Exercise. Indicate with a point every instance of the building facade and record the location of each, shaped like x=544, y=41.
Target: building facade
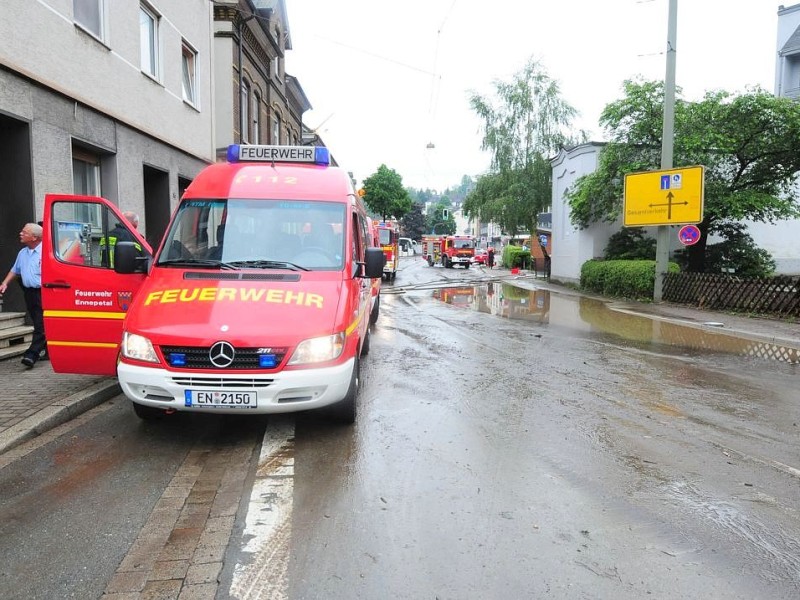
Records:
x=570, y=246
x=257, y=101
x=116, y=100
x=780, y=239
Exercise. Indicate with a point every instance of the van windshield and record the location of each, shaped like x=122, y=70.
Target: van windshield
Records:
x=256, y=234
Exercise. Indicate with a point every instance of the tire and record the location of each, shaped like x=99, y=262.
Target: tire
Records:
x=430, y=261
x=466, y=265
x=376, y=309
x=366, y=342
x=344, y=411
x=394, y=275
x=147, y=413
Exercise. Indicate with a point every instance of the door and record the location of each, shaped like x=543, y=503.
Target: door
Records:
x=84, y=299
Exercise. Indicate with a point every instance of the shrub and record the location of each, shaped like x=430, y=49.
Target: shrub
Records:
x=515, y=256
x=630, y=243
x=633, y=279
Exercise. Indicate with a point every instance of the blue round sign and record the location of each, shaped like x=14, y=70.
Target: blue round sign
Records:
x=689, y=235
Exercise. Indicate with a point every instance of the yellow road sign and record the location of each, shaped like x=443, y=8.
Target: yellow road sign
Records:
x=670, y=197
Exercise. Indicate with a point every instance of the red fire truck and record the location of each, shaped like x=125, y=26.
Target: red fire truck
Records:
x=388, y=236
x=450, y=250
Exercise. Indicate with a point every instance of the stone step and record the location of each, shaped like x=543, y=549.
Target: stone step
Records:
x=12, y=352
x=11, y=319
x=15, y=336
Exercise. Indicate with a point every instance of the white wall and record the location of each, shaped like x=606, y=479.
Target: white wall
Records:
x=571, y=247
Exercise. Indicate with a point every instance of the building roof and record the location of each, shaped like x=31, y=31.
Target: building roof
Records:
x=792, y=45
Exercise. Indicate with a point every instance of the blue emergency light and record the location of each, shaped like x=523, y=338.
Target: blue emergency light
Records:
x=315, y=155
x=267, y=361
x=177, y=359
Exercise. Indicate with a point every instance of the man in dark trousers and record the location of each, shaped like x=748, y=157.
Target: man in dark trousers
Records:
x=28, y=267
x=490, y=257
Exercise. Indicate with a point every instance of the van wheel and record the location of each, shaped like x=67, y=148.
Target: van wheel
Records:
x=147, y=413
x=344, y=411
x=365, y=343
x=376, y=309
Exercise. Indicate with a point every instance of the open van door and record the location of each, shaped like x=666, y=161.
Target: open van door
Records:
x=85, y=301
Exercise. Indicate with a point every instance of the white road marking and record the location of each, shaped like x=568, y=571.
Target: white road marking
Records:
x=269, y=517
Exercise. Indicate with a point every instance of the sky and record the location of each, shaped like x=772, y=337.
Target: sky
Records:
x=389, y=82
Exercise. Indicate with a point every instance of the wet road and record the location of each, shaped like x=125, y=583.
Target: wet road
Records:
x=511, y=443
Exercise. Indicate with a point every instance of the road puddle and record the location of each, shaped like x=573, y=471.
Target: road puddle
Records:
x=595, y=317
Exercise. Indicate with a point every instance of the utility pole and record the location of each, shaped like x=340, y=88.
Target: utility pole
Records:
x=662, y=236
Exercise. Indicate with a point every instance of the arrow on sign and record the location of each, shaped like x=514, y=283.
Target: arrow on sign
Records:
x=669, y=203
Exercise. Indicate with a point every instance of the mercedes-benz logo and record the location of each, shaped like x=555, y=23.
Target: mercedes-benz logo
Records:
x=221, y=354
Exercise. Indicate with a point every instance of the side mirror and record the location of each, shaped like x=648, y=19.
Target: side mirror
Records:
x=129, y=259
x=374, y=261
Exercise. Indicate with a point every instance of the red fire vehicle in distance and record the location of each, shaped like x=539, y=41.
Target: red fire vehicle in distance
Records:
x=388, y=236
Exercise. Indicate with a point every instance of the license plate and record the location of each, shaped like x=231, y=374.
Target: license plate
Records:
x=216, y=399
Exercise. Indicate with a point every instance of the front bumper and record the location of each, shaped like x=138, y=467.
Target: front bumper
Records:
x=286, y=391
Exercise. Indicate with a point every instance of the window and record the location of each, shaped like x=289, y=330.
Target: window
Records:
x=189, y=62
x=277, y=63
x=85, y=173
x=276, y=130
x=244, y=113
x=89, y=15
x=256, y=118
x=148, y=30
x=86, y=182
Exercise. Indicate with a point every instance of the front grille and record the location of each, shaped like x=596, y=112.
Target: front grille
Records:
x=190, y=381
x=196, y=357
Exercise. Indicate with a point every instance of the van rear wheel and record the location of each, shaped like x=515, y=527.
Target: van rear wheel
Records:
x=344, y=411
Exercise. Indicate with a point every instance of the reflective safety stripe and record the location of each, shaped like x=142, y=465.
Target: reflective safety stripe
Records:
x=83, y=344
x=81, y=314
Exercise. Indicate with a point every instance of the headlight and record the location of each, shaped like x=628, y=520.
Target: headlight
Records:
x=138, y=347
x=318, y=350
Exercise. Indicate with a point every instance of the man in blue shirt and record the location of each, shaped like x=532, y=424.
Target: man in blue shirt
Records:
x=28, y=267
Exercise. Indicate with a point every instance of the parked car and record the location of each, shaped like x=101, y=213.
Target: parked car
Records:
x=480, y=257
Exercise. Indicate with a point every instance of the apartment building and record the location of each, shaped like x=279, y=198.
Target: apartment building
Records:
x=102, y=97
x=257, y=101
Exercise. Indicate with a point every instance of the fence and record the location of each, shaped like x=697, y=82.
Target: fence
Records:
x=776, y=296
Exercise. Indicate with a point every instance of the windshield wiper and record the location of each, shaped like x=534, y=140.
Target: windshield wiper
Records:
x=196, y=262
x=268, y=264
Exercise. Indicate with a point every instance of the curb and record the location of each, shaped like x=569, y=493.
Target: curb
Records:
x=59, y=412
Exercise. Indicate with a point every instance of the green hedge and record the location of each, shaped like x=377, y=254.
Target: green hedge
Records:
x=622, y=278
x=515, y=256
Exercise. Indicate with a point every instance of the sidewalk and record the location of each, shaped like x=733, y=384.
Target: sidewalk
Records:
x=776, y=331
x=36, y=400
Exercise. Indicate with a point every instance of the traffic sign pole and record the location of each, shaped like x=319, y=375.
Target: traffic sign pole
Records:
x=662, y=236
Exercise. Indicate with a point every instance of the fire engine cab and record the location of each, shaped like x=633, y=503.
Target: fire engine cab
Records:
x=258, y=300
x=451, y=250
x=388, y=238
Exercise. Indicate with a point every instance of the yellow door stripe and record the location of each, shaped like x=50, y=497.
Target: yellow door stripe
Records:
x=81, y=314
x=82, y=344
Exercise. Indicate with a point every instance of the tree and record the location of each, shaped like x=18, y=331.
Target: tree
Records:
x=749, y=144
x=385, y=194
x=440, y=224
x=413, y=224
x=525, y=121
x=630, y=243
